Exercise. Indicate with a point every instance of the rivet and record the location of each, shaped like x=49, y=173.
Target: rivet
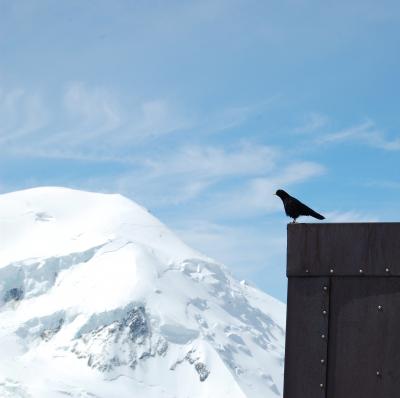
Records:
x=380, y=308
x=307, y=271
x=387, y=270
x=322, y=360
x=322, y=336
x=331, y=270
x=325, y=288
x=360, y=271
x=378, y=373
x=324, y=312
x=321, y=385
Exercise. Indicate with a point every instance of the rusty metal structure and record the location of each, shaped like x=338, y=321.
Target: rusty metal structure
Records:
x=343, y=313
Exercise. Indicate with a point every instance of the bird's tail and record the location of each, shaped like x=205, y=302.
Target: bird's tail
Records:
x=316, y=215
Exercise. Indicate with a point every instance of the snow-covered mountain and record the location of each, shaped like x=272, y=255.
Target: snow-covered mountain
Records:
x=99, y=299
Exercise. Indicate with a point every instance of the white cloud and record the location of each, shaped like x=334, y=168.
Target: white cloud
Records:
x=366, y=133
x=86, y=123
x=90, y=123
x=158, y=117
x=299, y=172
x=21, y=114
x=215, y=162
x=225, y=119
x=180, y=175
x=238, y=180
x=257, y=195
x=103, y=123
x=234, y=116
x=234, y=184
x=312, y=123
x=93, y=106
x=349, y=216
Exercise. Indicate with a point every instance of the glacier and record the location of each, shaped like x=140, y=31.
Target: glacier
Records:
x=98, y=298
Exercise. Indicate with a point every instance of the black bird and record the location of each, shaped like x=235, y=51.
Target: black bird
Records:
x=294, y=208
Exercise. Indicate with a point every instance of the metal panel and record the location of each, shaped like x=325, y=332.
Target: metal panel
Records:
x=351, y=249
x=364, y=329
x=306, y=338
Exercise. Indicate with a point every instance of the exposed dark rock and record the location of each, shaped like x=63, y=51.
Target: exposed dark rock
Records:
x=47, y=334
x=16, y=293
x=145, y=355
x=137, y=323
x=193, y=359
x=162, y=346
x=121, y=337
x=202, y=370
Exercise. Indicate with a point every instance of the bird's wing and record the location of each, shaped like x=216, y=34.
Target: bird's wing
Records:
x=307, y=211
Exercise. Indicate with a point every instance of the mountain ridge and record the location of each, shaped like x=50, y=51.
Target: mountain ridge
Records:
x=95, y=284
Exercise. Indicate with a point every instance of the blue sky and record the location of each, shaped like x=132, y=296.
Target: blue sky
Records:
x=200, y=110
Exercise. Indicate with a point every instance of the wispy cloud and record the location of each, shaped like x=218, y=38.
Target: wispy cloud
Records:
x=256, y=196
x=234, y=116
x=215, y=161
x=86, y=123
x=235, y=179
x=92, y=106
x=365, y=133
x=232, y=182
x=182, y=174
x=21, y=114
x=101, y=120
x=90, y=123
x=350, y=216
x=312, y=122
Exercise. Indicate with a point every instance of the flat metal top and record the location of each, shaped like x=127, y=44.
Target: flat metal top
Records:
x=343, y=249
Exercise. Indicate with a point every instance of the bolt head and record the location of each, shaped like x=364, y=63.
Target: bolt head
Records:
x=387, y=270
x=360, y=271
x=321, y=385
x=322, y=336
x=378, y=373
x=324, y=312
x=322, y=360
x=331, y=270
x=380, y=308
x=325, y=288
x=307, y=271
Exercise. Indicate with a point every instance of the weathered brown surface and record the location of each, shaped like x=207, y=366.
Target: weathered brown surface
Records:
x=351, y=249
x=306, y=338
x=364, y=330
x=362, y=324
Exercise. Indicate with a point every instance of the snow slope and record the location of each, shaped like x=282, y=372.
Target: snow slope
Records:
x=99, y=299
